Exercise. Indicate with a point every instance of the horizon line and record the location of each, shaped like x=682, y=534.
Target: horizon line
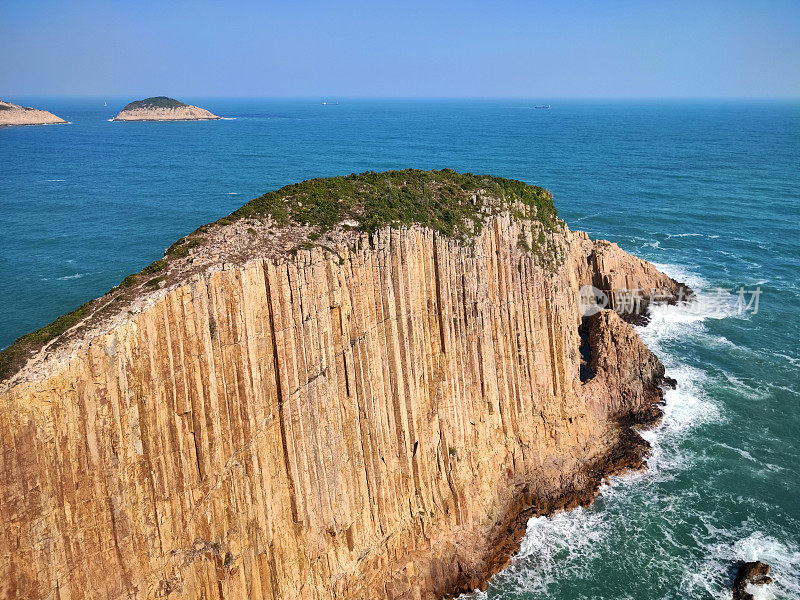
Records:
x=399, y=97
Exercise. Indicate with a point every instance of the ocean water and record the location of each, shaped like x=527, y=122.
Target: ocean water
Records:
x=707, y=190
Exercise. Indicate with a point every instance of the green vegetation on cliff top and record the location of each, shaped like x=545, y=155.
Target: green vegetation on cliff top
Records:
x=445, y=201
x=155, y=102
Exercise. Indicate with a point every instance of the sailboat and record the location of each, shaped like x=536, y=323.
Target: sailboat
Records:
x=105, y=103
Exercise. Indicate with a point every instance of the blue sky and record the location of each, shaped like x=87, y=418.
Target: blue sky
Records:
x=703, y=48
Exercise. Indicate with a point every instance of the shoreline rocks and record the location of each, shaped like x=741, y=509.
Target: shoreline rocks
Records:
x=14, y=114
x=161, y=108
x=749, y=574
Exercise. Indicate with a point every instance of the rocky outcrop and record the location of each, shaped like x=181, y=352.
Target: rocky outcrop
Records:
x=750, y=574
x=628, y=284
x=375, y=418
x=13, y=114
x=628, y=376
x=161, y=108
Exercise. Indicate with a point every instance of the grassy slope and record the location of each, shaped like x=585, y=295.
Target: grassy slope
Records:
x=440, y=200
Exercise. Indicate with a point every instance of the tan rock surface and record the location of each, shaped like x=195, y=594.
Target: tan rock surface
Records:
x=13, y=114
x=375, y=422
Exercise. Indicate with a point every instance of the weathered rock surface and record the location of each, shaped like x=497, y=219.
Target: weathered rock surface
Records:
x=161, y=108
x=375, y=421
x=13, y=114
x=750, y=573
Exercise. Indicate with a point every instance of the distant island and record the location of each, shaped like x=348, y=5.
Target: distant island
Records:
x=13, y=114
x=161, y=108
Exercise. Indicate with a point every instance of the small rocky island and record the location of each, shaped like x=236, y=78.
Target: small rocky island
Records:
x=13, y=114
x=161, y=108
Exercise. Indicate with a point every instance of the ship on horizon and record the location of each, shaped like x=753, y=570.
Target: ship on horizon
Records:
x=545, y=106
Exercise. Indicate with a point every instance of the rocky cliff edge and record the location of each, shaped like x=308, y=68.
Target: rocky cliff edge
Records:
x=313, y=400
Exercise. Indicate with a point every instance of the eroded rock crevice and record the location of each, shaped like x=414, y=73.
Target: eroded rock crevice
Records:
x=586, y=370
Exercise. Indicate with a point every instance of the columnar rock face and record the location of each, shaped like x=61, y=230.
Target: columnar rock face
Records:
x=370, y=422
x=13, y=114
x=162, y=108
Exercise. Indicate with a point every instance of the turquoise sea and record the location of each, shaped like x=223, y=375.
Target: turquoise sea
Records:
x=707, y=190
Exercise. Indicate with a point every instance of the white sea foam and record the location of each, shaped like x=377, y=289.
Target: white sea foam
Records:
x=687, y=406
x=583, y=218
x=731, y=547
x=557, y=547
x=743, y=453
x=476, y=595
x=681, y=273
x=553, y=548
x=745, y=389
x=52, y=180
x=75, y=276
x=792, y=391
x=677, y=321
x=793, y=360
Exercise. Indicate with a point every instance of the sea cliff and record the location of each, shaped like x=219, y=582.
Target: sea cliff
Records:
x=297, y=405
x=161, y=108
x=13, y=114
